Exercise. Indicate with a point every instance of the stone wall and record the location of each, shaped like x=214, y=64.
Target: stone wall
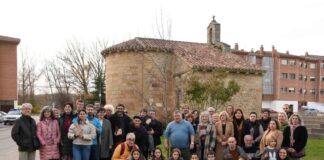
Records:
x=249, y=97
x=141, y=80
x=151, y=79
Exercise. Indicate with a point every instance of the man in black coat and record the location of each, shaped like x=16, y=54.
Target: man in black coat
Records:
x=24, y=134
x=140, y=133
x=265, y=120
x=120, y=124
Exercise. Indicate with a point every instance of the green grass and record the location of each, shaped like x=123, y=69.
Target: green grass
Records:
x=314, y=149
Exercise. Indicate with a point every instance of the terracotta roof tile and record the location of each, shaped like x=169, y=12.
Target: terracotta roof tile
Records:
x=198, y=55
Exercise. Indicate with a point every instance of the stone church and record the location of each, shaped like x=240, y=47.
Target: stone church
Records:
x=146, y=72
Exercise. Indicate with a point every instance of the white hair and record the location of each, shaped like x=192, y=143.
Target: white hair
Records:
x=27, y=105
x=130, y=135
x=110, y=107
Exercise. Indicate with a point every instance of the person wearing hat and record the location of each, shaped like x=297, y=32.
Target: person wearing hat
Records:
x=140, y=132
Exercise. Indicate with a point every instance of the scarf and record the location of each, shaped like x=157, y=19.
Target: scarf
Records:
x=292, y=130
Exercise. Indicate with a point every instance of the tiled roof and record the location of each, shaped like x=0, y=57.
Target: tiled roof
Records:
x=198, y=55
x=9, y=39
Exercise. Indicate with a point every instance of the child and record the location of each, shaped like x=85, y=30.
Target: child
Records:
x=211, y=155
x=270, y=152
x=157, y=154
x=176, y=154
x=136, y=155
x=283, y=154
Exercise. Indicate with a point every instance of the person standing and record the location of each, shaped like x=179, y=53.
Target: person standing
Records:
x=256, y=130
x=185, y=111
x=94, y=155
x=82, y=133
x=120, y=124
x=79, y=105
x=154, y=130
x=106, y=136
x=241, y=127
x=230, y=111
x=140, y=133
x=24, y=134
x=264, y=121
x=48, y=133
x=205, y=136
x=224, y=130
x=288, y=109
x=283, y=120
x=65, y=122
x=181, y=135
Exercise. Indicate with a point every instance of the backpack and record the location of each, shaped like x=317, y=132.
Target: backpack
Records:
x=123, y=147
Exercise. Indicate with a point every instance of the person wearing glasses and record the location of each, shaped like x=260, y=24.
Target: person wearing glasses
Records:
x=123, y=150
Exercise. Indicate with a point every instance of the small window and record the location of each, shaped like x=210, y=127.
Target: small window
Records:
x=302, y=91
x=305, y=78
x=284, y=75
x=291, y=90
x=301, y=64
x=284, y=62
x=284, y=90
x=322, y=78
x=312, y=78
x=322, y=91
x=312, y=65
x=292, y=76
x=292, y=62
x=312, y=91
x=301, y=77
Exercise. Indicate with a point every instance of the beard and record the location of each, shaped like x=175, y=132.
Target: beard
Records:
x=119, y=113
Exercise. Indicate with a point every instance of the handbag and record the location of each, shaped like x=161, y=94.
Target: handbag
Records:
x=299, y=154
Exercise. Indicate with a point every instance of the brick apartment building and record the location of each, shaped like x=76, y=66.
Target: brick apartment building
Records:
x=8, y=72
x=292, y=79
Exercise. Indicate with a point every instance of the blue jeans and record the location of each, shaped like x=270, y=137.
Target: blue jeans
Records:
x=94, y=155
x=81, y=152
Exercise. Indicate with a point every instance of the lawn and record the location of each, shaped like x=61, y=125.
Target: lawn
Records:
x=314, y=149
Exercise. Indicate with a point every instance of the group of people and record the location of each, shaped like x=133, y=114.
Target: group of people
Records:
x=229, y=135
x=93, y=132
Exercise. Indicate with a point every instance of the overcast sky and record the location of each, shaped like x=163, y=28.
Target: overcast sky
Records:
x=44, y=26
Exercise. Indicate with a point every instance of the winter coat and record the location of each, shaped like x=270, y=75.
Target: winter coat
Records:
x=24, y=134
x=49, y=135
x=300, y=137
x=210, y=140
x=106, y=139
x=66, y=143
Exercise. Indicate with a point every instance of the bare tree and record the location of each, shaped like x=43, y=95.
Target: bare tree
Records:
x=162, y=26
x=57, y=77
x=76, y=58
x=28, y=75
x=96, y=60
